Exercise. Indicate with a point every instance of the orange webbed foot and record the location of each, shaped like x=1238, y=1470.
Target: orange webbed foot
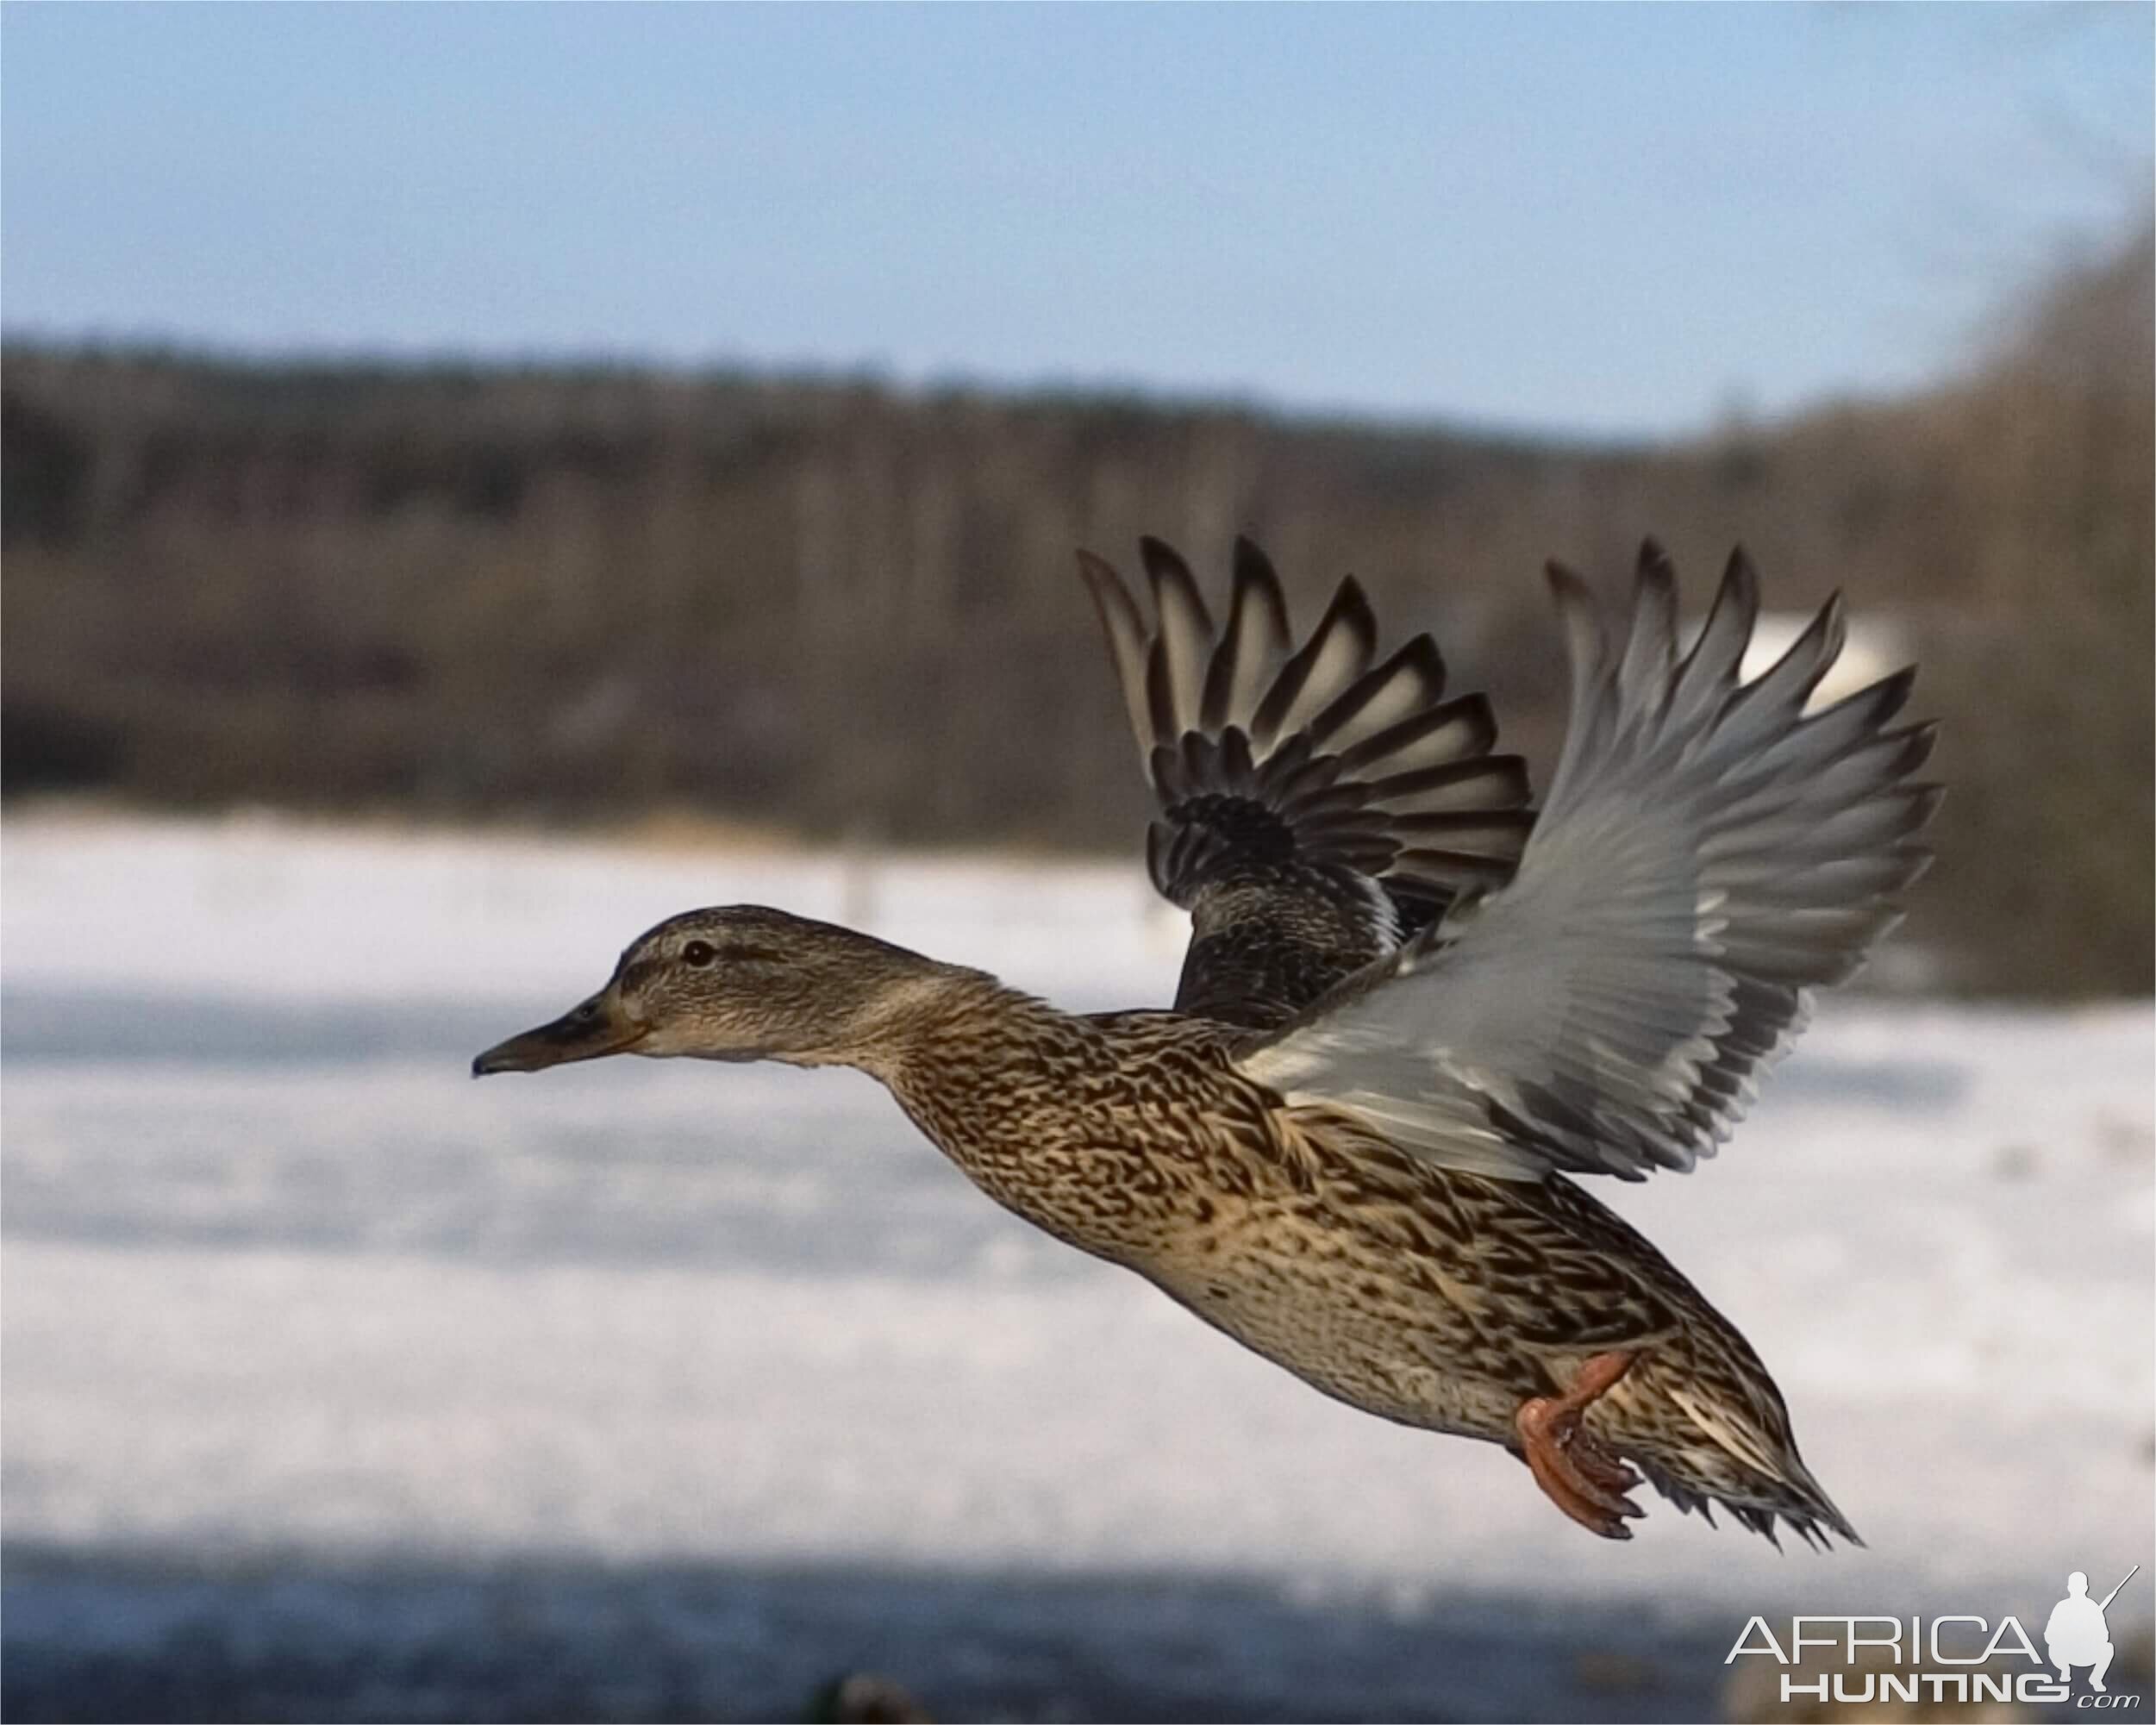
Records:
x=1580, y=1473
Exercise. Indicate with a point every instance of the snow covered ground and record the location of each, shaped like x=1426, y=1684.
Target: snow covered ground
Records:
x=662, y=1388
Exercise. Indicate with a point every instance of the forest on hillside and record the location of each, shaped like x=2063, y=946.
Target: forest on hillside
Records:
x=829, y=606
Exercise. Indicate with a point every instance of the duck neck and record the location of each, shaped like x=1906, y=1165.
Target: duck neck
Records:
x=908, y=1025
x=977, y=1067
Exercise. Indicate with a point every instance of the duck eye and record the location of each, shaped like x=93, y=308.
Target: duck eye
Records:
x=698, y=952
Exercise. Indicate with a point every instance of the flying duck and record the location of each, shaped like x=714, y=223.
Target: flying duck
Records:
x=1415, y=1016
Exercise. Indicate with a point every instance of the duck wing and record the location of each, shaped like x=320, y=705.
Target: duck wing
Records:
x=1709, y=853
x=1316, y=804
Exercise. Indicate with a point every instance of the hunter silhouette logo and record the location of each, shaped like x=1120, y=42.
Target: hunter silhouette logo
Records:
x=2075, y=1633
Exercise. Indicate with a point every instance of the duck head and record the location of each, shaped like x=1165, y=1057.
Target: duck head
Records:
x=741, y=983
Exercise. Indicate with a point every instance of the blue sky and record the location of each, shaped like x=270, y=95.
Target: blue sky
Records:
x=1589, y=218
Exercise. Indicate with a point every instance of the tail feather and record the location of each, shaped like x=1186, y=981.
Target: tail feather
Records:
x=1757, y=1502
x=1724, y=1438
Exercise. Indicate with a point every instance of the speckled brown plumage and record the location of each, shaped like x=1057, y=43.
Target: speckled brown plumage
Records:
x=1401, y=1021
x=1431, y=1297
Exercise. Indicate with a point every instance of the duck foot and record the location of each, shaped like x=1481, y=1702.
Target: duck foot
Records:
x=1580, y=1473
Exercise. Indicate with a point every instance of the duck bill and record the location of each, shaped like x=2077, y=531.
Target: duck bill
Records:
x=598, y=1026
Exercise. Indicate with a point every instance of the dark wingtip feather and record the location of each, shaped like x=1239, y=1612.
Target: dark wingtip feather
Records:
x=1428, y=660
x=1655, y=577
x=1883, y=698
x=1916, y=865
x=1255, y=574
x=1256, y=635
x=1157, y=554
x=1251, y=563
x=1588, y=634
x=1418, y=660
x=1835, y=614
x=1107, y=589
x=1650, y=646
x=1164, y=567
x=1741, y=582
x=1901, y=752
x=1353, y=605
x=1126, y=631
x=1349, y=611
x=1807, y=660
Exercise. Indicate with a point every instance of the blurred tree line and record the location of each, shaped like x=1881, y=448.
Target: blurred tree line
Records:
x=824, y=604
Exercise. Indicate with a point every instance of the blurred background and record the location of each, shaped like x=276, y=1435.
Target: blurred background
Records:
x=479, y=480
